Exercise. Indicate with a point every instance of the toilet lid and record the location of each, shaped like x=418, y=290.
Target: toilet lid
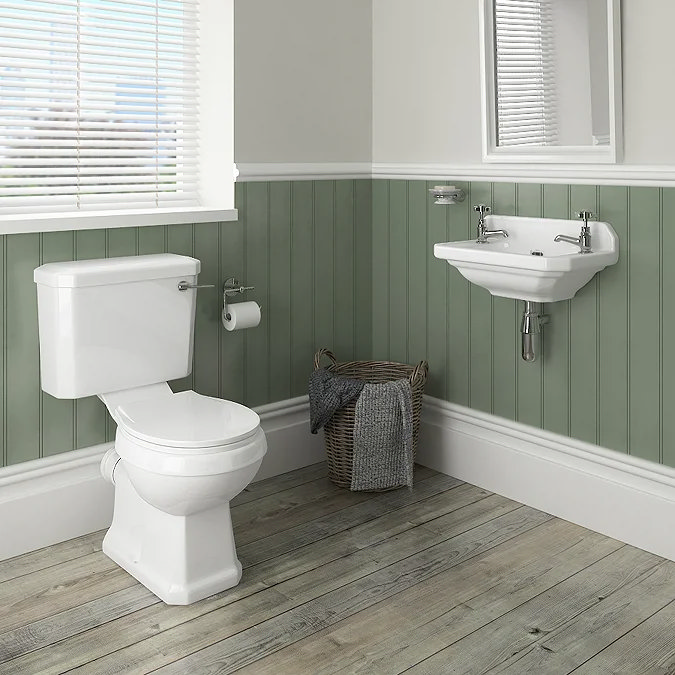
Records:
x=187, y=420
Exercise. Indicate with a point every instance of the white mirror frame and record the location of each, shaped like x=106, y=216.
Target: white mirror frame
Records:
x=600, y=154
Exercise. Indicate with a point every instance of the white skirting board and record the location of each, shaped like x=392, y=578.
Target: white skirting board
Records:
x=624, y=497
x=46, y=501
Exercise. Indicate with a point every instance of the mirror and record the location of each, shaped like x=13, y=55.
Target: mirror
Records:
x=551, y=72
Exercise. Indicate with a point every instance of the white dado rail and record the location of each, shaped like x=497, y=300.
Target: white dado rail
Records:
x=581, y=174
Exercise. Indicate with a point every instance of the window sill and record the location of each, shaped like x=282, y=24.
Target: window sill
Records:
x=99, y=220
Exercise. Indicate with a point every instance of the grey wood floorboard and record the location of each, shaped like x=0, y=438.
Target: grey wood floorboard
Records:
x=647, y=648
x=208, y=626
x=50, y=556
x=140, y=625
x=283, y=542
x=229, y=654
x=269, y=486
x=395, y=634
x=273, y=571
x=445, y=578
x=605, y=622
x=531, y=621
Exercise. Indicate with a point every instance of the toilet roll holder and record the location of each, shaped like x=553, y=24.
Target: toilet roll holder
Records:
x=232, y=287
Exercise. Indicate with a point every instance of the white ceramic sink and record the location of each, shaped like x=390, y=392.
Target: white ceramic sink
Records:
x=512, y=267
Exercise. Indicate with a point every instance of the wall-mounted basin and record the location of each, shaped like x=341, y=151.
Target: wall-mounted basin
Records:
x=529, y=264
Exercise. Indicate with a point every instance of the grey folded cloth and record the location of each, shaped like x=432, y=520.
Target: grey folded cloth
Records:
x=383, y=437
x=327, y=393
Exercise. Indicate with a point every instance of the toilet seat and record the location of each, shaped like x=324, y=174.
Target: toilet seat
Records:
x=187, y=434
x=187, y=422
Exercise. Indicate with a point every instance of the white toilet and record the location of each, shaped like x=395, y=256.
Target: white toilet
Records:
x=121, y=328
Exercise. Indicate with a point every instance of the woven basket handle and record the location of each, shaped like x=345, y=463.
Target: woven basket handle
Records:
x=419, y=375
x=320, y=353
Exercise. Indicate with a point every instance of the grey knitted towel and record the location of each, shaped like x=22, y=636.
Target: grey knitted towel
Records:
x=328, y=393
x=383, y=437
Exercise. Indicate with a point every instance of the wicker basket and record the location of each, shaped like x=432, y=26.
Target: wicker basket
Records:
x=339, y=430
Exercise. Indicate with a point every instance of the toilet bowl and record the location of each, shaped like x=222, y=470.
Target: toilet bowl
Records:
x=120, y=329
x=182, y=458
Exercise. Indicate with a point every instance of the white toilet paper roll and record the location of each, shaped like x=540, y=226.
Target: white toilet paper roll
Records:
x=241, y=315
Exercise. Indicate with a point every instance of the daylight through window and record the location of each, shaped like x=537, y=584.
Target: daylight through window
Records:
x=99, y=105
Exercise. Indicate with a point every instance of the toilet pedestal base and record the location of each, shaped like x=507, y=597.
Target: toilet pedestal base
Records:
x=181, y=559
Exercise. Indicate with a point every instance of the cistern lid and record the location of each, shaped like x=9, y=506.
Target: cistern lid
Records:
x=78, y=273
x=187, y=420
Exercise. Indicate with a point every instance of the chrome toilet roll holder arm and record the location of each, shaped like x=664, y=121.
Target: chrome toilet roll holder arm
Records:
x=232, y=287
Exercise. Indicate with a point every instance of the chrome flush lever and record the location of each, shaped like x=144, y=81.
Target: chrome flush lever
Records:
x=184, y=286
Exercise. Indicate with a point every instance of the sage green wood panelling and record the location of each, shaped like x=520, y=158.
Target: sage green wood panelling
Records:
x=256, y=273
x=613, y=328
x=344, y=314
x=57, y=415
x=349, y=265
x=381, y=264
x=480, y=356
x=529, y=376
x=207, y=316
x=645, y=319
x=459, y=309
x=324, y=263
x=556, y=341
x=307, y=249
x=231, y=354
x=605, y=373
x=22, y=420
x=279, y=301
x=398, y=270
x=505, y=346
x=668, y=329
x=302, y=284
x=363, y=274
x=416, y=265
x=439, y=309
x=150, y=239
x=584, y=338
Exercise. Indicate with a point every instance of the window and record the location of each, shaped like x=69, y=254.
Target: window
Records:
x=105, y=108
x=525, y=73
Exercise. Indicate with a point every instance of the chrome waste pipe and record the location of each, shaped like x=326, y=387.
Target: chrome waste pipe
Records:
x=530, y=329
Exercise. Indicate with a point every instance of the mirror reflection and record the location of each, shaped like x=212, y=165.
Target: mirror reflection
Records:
x=551, y=73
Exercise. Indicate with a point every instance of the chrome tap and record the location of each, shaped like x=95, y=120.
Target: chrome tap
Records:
x=482, y=233
x=583, y=241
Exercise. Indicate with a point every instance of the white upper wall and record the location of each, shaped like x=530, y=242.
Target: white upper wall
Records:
x=399, y=81
x=648, y=93
x=303, y=80
x=426, y=82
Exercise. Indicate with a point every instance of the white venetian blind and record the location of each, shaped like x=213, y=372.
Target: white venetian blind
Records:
x=525, y=73
x=98, y=104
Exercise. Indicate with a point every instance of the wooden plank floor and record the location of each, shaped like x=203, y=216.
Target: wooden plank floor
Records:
x=447, y=578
